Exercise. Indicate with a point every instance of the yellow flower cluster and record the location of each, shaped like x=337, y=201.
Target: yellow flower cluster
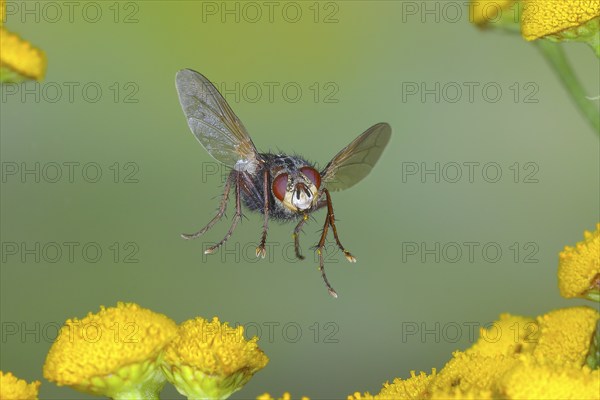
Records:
x=542, y=359
x=12, y=388
x=579, y=268
x=130, y=352
x=18, y=57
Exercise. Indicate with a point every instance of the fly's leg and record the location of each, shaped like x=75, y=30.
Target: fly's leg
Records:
x=331, y=218
x=320, y=247
x=261, y=250
x=236, y=218
x=296, y=236
x=220, y=213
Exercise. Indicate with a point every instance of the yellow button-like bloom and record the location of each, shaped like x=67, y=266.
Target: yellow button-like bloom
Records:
x=558, y=20
x=211, y=360
x=18, y=58
x=12, y=388
x=565, y=335
x=533, y=380
x=579, y=268
x=114, y=353
x=286, y=396
x=411, y=389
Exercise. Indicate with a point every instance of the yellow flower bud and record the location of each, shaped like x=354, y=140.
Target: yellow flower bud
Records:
x=19, y=58
x=487, y=13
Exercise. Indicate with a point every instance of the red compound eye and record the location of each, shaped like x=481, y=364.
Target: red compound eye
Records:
x=280, y=186
x=313, y=175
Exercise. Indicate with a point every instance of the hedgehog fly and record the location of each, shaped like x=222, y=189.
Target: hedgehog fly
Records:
x=276, y=185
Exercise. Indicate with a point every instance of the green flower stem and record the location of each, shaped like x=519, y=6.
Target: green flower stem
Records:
x=556, y=57
x=593, y=295
x=593, y=358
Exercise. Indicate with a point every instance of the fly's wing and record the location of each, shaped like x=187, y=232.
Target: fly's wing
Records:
x=214, y=123
x=357, y=159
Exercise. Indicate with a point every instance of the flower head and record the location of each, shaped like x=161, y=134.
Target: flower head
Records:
x=211, y=359
x=112, y=353
x=12, y=388
x=579, y=268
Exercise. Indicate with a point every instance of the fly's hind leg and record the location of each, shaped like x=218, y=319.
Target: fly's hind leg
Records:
x=331, y=217
x=320, y=247
x=238, y=213
x=222, y=207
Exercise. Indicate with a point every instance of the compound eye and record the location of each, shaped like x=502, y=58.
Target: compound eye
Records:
x=313, y=175
x=280, y=186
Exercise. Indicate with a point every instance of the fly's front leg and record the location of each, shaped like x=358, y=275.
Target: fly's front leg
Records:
x=222, y=207
x=296, y=236
x=331, y=217
x=261, y=251
x=237, y=176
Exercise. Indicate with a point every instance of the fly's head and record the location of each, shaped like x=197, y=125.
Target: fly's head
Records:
x=297, y=190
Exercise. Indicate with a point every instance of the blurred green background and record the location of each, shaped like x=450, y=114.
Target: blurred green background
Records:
x=362, y=56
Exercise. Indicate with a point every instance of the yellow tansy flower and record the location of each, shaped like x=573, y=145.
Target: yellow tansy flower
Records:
x=550, y=17
x=114, y=353
x=286, y=396
x=12, y=388
x=565, y=335
x=534, y=380
x=211, y=360
x=412, y=388
x=579, y=268
x=577, y=20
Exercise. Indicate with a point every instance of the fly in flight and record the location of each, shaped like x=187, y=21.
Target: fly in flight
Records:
x=279, y=186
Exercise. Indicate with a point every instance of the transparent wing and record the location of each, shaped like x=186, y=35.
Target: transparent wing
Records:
x=213, y=122
x=357, y=159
